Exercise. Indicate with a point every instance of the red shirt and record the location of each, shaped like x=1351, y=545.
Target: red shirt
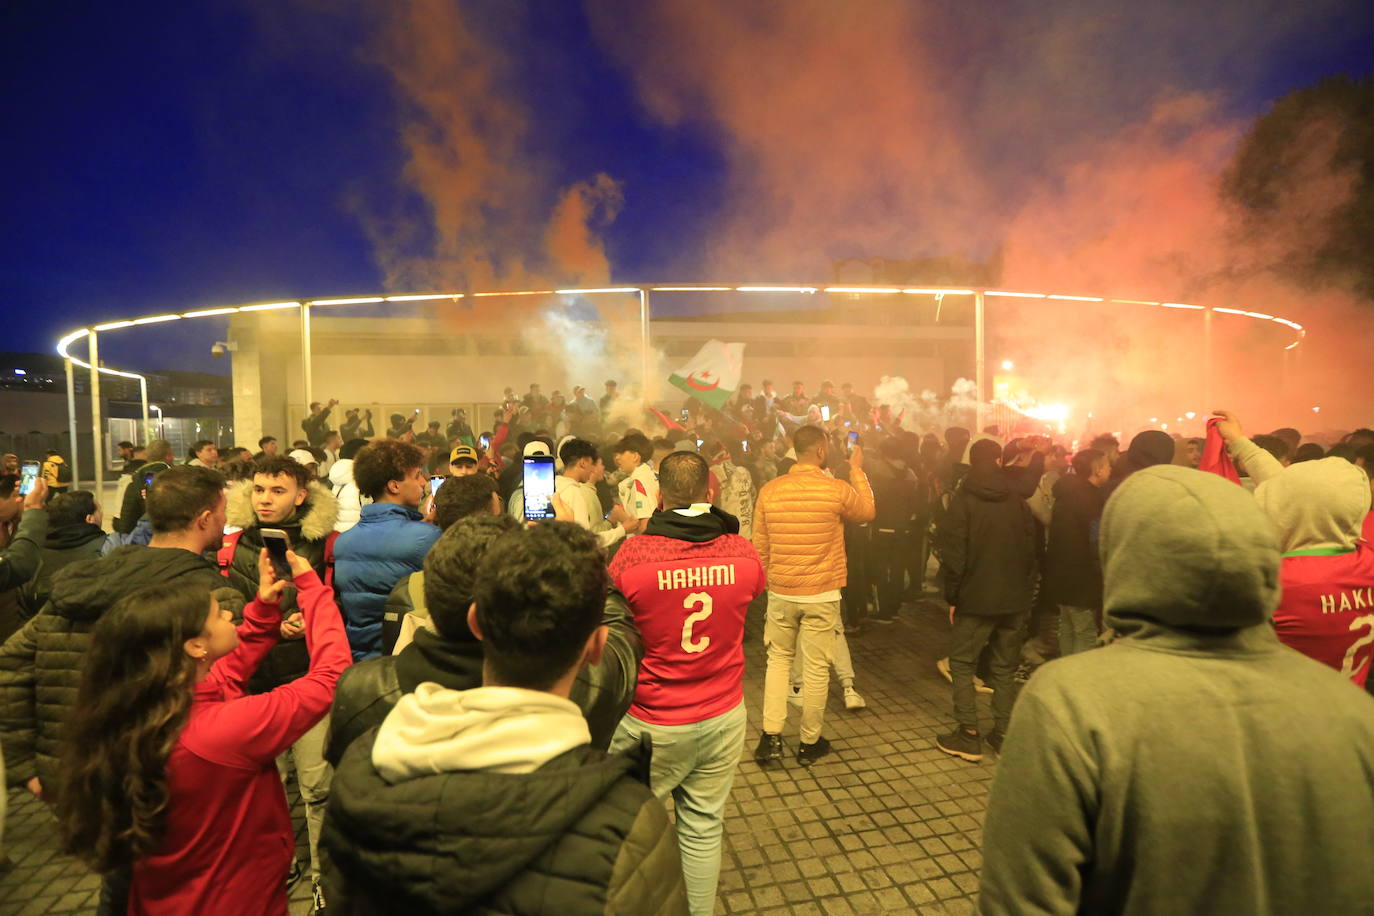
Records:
x=228, y=842
x=1327, y=611
x=689, y=601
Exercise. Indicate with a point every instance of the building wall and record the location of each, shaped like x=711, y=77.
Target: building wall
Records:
x=396, y=365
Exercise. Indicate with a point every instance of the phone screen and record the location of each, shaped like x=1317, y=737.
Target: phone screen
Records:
x=538, y=483
x=435, y=483
x=28, y=473
x=852, y=439
x=744, y=445
x=485, y=442
x=825, y=411
x=277, y=543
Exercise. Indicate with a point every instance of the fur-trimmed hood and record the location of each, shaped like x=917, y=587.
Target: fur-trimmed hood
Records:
x=316, y=515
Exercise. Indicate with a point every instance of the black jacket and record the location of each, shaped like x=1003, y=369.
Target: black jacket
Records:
x=894, y=495
x=132, y=508
x=581, y=835
x=40, y=666
x=308, y=530
x=1073, y=572
x=987, y=546
x=316, y=427
x=369, y=689
x=20, y=561
x=61, y=548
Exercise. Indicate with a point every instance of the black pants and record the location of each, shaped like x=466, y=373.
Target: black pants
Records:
x=888, y=552
x=1003, y=634
x=856, y=596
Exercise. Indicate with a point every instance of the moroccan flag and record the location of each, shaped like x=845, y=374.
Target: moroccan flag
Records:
x=713, y=374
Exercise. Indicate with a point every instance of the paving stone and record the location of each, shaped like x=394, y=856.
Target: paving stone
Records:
x=886, y=824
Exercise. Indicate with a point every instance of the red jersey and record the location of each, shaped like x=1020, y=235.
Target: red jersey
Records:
x=689, y=600
x=1327, y=611
x=227, y=844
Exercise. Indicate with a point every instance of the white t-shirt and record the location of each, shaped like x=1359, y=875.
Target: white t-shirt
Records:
x=639, y=492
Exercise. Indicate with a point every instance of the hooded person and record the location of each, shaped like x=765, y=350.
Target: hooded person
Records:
x=986, y=541
x=1196, y=762
x=1327, y=611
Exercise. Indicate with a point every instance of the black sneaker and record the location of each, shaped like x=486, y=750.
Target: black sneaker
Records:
x=960, y=743
x=994, y=741
x=769, y=750
x=808, y=754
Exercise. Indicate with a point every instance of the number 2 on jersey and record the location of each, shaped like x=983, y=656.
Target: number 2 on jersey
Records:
x=703, y=601
x=1348, y=666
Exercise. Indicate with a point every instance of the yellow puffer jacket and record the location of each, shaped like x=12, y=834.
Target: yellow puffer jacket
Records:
x=799, y=528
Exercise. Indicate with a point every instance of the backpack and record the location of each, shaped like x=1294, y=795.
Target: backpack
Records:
x=225, y=557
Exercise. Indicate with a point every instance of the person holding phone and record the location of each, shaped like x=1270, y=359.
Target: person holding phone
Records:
x=170, y=765
x=20, y=560
x=283, y=509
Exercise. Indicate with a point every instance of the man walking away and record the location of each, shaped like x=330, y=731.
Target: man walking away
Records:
x=689, y=580
x=1073, y=575
x=490, y=799
x=987, y=555
x=1196, y=764
x=799, y=534
x=390, y=539
x=894, y=496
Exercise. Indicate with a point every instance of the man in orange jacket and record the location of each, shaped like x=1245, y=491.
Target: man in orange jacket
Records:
x=799, y=535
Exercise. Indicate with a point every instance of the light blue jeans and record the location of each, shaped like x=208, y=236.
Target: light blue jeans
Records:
x=695, y=764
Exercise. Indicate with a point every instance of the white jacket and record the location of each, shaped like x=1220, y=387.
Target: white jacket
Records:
x=350, y=499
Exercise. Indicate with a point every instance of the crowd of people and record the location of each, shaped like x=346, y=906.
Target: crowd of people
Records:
x=486, y=713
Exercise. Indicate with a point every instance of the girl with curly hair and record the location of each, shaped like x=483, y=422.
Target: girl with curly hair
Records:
x=170, y=786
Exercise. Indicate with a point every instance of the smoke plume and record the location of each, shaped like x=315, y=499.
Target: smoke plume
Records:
x=1078, y=146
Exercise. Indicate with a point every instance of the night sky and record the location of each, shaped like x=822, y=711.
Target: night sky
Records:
x=164, y=156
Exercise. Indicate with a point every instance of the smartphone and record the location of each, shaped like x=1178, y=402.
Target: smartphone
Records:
x=744, y=445
x=850, y=441
x=435, y=483
x=277, y=543
x=484, y=441
x=28, y=473
x=538, y=482
x=148, y=481
x=825, y=412
x=699, y=443
x=686, y=415
x=417, y=411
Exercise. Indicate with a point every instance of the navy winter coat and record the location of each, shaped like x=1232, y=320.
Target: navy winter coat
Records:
x=388, y=542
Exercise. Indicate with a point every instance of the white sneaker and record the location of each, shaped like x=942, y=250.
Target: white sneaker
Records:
x=852, y=700
x=794, y=695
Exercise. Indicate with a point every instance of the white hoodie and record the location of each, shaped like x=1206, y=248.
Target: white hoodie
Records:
x=497, y=729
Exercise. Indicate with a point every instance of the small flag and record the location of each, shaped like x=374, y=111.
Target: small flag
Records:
x=713, y=375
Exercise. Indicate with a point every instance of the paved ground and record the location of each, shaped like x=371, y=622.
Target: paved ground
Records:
x=885, y=824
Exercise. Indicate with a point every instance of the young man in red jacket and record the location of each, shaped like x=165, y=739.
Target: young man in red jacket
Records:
x=689, y=580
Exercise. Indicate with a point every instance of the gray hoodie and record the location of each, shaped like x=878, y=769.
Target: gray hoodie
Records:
x=1197, y=765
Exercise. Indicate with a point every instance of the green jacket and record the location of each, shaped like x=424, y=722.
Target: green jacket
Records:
x=1197, y=765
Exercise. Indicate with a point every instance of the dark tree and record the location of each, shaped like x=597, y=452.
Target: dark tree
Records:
x=1274, y=180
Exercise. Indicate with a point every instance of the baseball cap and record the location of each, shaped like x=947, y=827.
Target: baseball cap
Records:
x=301, y=456
x=462, y=453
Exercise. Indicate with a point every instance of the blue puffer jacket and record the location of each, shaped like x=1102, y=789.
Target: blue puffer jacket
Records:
x=388, y=542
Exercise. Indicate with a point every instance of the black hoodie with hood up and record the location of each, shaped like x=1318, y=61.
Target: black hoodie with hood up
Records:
x=986, y=540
